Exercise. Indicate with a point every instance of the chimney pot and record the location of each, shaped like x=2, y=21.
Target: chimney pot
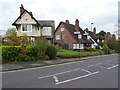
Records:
x=21, y=8
x=67, y=21
x=77, y=25
x=31, y=13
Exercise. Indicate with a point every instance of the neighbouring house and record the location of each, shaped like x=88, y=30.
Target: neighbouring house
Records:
x=26, y=24
x=97, y=39
x=69, y=36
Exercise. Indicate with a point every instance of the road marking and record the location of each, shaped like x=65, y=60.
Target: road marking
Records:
x=86, y=71
x=94, y=64
x=113, y=66
x=59, y=73
x=101, y=67
x=56, y=79
x=76, y=78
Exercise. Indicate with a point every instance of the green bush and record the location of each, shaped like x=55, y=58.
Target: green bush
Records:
x=11, y=53
x=31, y=51
x=105, y=48
x=51, y=51
x=41, y=47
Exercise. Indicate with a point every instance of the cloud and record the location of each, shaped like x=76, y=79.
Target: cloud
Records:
x=102, y=13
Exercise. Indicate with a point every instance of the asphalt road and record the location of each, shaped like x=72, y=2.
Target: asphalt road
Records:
x=94, y=73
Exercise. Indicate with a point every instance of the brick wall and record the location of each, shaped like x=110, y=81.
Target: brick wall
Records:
x=68, y=38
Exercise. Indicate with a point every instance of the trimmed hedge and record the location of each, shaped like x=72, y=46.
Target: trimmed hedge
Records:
x=10, y=53
x=74, y=54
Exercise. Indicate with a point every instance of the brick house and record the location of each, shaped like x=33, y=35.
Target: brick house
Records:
x=26, y=24
x=70, y=36
x=97, y=39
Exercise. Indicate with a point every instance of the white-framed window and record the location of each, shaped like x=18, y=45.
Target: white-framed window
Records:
x=79, y=36
x=26, y=27
x=74, y=46
x=97, y=40
x=47, y=29
x=62, y=29
x=33, y=28
x=63, y=36
x=77, y=46
x=57, y=37
x=81, y=46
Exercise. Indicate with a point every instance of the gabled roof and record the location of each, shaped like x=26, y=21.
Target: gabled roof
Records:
x=71, y=29
x=49, y=23
x=22, y=14
x=95, y=37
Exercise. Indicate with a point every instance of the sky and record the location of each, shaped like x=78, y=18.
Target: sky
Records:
x=102, y=13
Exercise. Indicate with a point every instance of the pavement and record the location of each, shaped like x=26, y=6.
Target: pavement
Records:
x=33, y=64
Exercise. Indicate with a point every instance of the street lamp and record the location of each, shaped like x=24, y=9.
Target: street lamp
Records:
x=91, y=26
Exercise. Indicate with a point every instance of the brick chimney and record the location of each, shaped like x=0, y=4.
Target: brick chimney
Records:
x=76, y=24
x=21, y=9
x=31, y=13
x=67, y=21
x=94, y=30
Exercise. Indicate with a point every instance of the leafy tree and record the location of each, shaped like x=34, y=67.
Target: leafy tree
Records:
x=102, y=33
x=111, y=41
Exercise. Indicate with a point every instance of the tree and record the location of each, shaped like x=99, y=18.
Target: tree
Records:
x=102, y=33
x=11, y=38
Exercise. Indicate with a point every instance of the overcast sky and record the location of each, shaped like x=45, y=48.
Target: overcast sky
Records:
x=103, y=13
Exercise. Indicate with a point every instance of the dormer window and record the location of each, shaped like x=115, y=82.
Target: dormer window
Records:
x=88, y=37
x=79, y=36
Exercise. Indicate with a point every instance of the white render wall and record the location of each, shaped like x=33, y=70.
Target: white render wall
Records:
x=25, y=19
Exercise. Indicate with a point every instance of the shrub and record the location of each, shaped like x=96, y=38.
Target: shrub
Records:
x=31, y=51
x=41, y=47
x=51, y=51
x=97, y=47
x=11, y=53
x=90, y=49
x=105, y=48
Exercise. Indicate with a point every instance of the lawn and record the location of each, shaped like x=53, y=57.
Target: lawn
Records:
x=75, y=54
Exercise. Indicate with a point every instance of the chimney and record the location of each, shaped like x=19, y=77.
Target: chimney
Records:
x=31, y=13
x=76, y=24
x=67, y=21
x=21, y=9
x=94, y=30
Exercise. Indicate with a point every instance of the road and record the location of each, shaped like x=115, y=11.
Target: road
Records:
x=93, y=73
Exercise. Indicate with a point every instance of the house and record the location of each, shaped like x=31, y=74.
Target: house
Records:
x=26, y=24
x=70, y=36
x=97, y=39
